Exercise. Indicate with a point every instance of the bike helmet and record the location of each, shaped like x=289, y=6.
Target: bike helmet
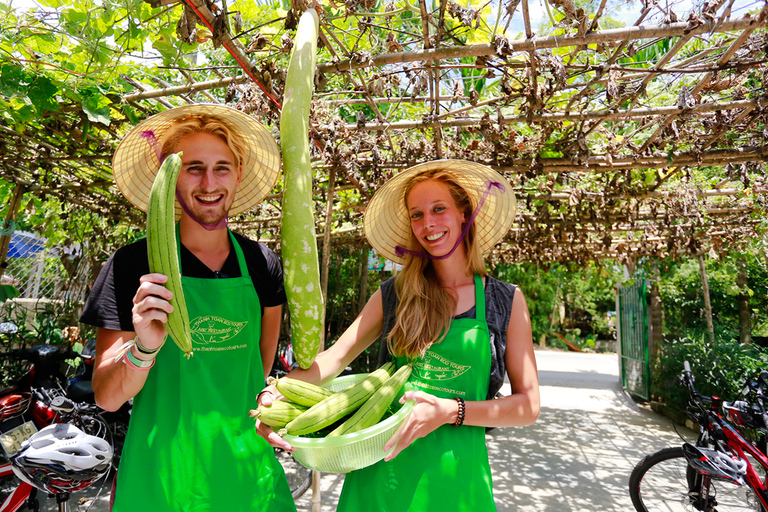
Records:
x=716, y=464
x=743, y=414
x=62, y=458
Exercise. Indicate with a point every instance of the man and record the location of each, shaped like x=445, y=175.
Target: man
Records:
x=190, y=444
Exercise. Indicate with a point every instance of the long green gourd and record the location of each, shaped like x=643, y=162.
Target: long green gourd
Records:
x=301, y=267
x=300, y=392
x=278, y=414
x=339, y=404
x=376, y=406
x=162, y=249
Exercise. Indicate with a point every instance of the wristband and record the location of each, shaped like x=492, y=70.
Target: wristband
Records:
x=265, y=390
x=134, y=363
x=460, y=418
x=144, y=350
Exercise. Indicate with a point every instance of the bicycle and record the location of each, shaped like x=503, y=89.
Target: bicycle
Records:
x=722, y=471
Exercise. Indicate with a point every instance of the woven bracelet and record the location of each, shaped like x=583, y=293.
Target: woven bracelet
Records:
x=460, y=418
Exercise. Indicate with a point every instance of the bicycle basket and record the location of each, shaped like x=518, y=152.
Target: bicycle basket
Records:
x=347, y=452
x=716, y=464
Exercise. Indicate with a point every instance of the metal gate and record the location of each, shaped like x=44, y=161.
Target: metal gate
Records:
x=632, y=332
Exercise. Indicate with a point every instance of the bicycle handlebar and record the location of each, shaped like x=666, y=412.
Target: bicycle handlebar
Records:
x=758, y=384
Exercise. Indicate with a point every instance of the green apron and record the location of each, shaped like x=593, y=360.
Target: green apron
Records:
x=191, y=445
x=447, y=470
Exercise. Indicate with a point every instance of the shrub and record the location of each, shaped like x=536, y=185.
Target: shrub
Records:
x=720, y=369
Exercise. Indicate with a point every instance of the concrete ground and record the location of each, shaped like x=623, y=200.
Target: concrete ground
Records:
x=577, y=456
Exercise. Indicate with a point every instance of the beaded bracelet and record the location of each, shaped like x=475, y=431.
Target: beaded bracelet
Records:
x=460, y=419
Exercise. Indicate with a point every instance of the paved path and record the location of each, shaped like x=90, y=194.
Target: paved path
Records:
x=578, y=455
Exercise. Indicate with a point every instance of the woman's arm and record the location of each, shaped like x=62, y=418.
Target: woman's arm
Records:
x=519, y=408
x=360, y=335
x=328, y=364
x=522, y=406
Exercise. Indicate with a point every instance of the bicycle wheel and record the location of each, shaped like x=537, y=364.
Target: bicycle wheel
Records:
x=299, y=477
x=660, y=482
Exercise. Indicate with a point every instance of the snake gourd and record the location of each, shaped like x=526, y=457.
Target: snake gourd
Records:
x=163, y=250
x=301, y=266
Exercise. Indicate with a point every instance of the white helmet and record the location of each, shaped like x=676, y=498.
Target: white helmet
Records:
x=716, y=464
x=62, y=458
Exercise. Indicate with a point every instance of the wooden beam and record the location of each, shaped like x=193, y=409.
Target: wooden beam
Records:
x=477, y=50
x=555, y=117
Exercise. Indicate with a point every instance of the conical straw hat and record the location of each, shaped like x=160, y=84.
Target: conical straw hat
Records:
x=135, y=163
x=387, y=224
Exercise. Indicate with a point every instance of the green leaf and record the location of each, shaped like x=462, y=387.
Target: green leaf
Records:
x=42, y=93
x=12, y=79
x=166, y=49
x=97, y=108
x=75, y=17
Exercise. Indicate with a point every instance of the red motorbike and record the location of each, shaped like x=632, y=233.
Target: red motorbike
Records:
x=45, y=396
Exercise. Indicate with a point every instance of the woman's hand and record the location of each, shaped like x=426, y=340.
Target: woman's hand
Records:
x=268, y=395
x=429, y=412
x=151, y=309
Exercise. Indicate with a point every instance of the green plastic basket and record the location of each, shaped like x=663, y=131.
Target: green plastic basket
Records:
x=348, y=452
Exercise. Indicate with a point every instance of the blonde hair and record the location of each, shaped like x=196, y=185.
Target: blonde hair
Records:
x=190, y=125
x=426, y=308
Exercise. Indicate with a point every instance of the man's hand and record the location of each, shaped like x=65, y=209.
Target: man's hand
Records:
x=265, y=399
x=151, y=309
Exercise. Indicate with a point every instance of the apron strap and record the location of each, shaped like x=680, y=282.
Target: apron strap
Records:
x=240, y=256
x=479, y=299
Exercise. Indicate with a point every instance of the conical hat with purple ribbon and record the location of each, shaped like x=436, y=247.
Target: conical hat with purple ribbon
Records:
x=135, y=163
x=387, y=224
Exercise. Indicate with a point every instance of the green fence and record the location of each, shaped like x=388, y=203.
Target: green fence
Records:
x=632, y=330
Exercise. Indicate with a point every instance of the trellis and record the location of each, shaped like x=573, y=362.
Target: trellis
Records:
x=599, y=169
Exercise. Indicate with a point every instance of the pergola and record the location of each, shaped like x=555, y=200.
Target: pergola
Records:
x=624, y=142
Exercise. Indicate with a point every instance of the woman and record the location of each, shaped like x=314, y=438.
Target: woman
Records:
x=461, y=329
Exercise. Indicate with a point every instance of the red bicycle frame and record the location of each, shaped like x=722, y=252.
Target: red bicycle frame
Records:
x=740, y=446
x=20, y=494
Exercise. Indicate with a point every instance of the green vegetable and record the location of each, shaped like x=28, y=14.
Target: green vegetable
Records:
x=301, y=266
x=163, y=250
x=340, y=404
x=278, y=414
x=371, y=412
x=300, y=392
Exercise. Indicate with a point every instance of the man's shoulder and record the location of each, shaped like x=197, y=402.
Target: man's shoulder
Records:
x=133, y=252
x=254, y=249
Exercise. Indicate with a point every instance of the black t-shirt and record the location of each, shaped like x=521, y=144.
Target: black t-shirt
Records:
x=111, y=299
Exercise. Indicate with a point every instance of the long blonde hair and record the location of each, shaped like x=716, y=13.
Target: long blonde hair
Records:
x=426, y=308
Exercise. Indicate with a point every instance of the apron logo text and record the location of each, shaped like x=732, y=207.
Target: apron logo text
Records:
x=208, y=330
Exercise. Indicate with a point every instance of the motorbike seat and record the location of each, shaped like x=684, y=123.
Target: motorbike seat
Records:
x=81, y=391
